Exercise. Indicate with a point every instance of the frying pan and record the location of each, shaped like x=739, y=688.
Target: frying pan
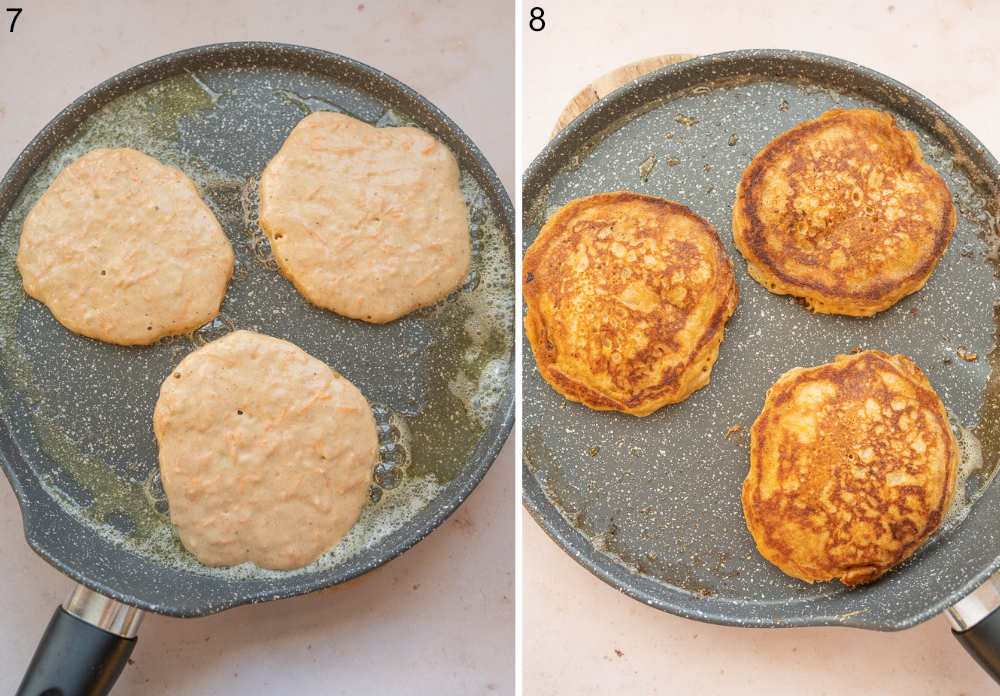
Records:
x=652, y=505
x=76, y=440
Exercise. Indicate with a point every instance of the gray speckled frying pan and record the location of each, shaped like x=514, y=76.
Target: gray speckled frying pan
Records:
x=652, y=505
x=77, y=441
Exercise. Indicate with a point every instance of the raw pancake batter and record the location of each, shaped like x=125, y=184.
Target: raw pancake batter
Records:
x=367, y=222
x=266, y=454
x=121, y=248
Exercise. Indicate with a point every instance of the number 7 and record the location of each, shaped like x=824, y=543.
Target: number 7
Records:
x=17, y=13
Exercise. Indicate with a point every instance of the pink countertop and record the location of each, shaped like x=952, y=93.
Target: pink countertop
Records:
x=580, y=635
x=439, y=619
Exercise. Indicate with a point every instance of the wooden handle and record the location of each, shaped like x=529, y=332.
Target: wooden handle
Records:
x=609, y=82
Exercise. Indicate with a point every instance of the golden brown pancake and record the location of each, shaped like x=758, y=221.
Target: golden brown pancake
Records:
x=627, y=299
x=843, y=212
x=852, y=466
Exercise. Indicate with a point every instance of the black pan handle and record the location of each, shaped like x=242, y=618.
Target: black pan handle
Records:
x=975, y=622
x=84, y=648
x=982, y=641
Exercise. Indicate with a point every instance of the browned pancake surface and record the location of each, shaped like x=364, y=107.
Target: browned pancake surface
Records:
x=844, y=212
x=627, y=296
x=852, y=466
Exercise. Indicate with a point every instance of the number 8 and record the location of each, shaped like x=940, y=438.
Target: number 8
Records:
x=537, y=23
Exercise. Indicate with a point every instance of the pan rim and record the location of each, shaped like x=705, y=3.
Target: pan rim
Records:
x=454, y=493
x=536, y=176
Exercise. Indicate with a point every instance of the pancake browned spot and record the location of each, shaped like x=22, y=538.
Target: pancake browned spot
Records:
x=844, y=212
x=852, y=466
x=627, y=299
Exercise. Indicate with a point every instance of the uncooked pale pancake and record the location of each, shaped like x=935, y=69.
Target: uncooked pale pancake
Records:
x=121, y=248
x=843, y=212
x=852, y=466
x=266, y=454
x=627, y=299
x=367, y=222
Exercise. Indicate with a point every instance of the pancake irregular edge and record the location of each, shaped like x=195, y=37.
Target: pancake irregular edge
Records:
x=627, y=299
x=844, y=212
x=121, y=248
x=852, y=467
x=368, y=222
x=266, y=454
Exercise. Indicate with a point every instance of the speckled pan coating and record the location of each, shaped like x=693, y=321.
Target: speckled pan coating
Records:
x=652, y=506
x=76, y=441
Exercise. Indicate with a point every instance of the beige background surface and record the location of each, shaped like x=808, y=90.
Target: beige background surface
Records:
x=440, y=618
x=582, y=636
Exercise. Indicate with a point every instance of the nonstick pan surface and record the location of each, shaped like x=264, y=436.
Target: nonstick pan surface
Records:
x=77, y=439
x=652, y=505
